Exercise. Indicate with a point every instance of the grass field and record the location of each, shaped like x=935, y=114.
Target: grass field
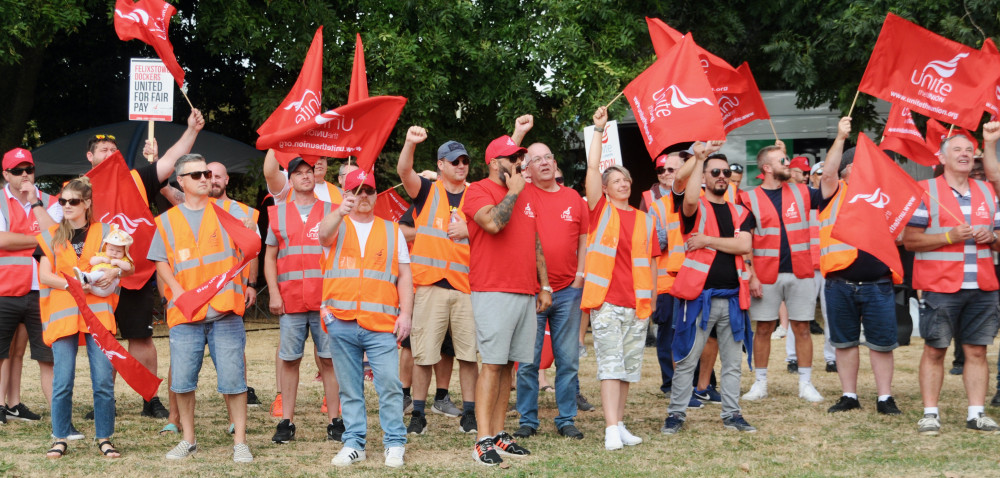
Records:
x=795, y=438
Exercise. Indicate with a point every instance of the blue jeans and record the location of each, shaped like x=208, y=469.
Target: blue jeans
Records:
x=563, y=318
x=226, y=339
x=849, y=305
x=101, y=379
x=664, y=319
x=348, y=344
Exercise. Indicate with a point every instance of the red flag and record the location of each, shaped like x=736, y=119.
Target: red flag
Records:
x=137, y=376
x=936, y=133
x=247, y=244
x=721, y=75
x=390, y=205
x=880, y=199
x=739, y=109
x=116, y=200
x=359, y=129
x=359, y=79
x=992, y=105
x=902, y=136
x=930, y=74
x=148, y=20
x=673, y=101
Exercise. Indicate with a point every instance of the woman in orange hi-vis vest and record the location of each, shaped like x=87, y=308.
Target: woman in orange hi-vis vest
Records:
x=618, y=287
x=71, y=244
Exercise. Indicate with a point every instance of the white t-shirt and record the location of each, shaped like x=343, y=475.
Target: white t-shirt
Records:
x=322, y=193
x=364, y=229
x=55, y=212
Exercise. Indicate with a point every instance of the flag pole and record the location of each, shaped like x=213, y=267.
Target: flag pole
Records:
x=186, y=98
x=941, y=206
x=773, y=130
x=951, y=128
x=853, y=102
x=620, y=93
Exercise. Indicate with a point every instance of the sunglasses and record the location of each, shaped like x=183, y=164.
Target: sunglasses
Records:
x=71, y=202
x=736, y=168
x=20, y=171
x=785, y=160
x=661, y=170
x=366, y=190
x=105, y=136
x=721, y=172
x=196, y=175
x=559, y=180
x=459, y=160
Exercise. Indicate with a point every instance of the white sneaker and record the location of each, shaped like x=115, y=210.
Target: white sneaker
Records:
x=757, y=391
x=182, y=450
x=348, y=455
x=394, y=456
x=241, y=453
x=779, y=333
x=809, y=392
x=612, y=438
x=627, y=437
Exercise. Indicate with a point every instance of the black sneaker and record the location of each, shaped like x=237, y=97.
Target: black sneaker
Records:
x=983, y=423
x=468, y=423
x=582, y=404
x=957, y=370
x=571, y=431
x=996, y=400
x=831, y=367
x=154, y=408
x=20, y=412
x=252, y=400
x=485, y=453
x=738, y=423
x=418, y=424
x=335, y=430
x=814, y=328
x=888, y=407
x=3, y=414
x=506, y=445
x=524, y=432
x=844, y=404
x=793, y=366
x=673, y=423
x=708, y=395
x=285, y=432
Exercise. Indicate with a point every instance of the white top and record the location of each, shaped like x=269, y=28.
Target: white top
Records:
x=364, y=229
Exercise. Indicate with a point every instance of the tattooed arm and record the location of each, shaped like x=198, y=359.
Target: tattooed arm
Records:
x=494, y=218
x=544, y=298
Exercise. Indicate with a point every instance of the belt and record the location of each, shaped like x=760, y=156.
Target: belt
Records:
x=881, y=280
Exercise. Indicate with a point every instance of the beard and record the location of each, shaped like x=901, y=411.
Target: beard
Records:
x=719, y=189
x=782, y=175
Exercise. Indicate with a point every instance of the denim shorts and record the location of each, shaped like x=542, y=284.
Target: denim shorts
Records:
x=294, y=330
x=849, y=305
x=970, y=315
x=226, y=339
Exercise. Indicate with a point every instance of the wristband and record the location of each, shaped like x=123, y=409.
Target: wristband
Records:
x=252, y=284
x=581, y=274
x=599, y=130
x=947, y=237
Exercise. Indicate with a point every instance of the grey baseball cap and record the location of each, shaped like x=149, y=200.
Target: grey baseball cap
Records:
x=451, y=151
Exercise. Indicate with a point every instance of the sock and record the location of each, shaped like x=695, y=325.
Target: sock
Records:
x=928, y=410
x=406, y=391
x=418, y=406
x=883, y=398
x=440, y=394
x=975, y=411
x=469, y=407
x=761, y=374
x=805, y=374
x=853, y=395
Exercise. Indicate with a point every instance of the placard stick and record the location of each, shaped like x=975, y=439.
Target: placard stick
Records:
x=150, y=157
x=622, y=92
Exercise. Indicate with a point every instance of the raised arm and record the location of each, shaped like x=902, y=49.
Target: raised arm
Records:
x=593, y=182
x=692, y=189
x=411, y=180
x=272, y=174
x=331, y=222
x=831, y=165
x=522, y=125
x=991, y=133
x=165, y=165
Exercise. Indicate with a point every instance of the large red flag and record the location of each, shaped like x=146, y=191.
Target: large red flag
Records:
x=937, y=133
x=930, y=74
x=673, y=101
x=359, y=79
x=148, y=20
x=390, y=205
x=116, y=200
x=247, y=244
x=902, y=136
x=137, y=376
x=739, y=109
x=992, y=105
x=721, y=75
x=880, y=199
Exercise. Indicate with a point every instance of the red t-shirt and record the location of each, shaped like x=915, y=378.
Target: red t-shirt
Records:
x=561, y=221
x=621, y=291
x=504, y=262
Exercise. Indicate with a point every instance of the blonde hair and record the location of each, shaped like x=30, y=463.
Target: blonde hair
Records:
x=65, y=230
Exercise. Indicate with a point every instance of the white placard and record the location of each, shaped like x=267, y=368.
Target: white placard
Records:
x=151, y=91
x=611, y=148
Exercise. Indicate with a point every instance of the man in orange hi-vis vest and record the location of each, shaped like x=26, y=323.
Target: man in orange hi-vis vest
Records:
x=952, y=234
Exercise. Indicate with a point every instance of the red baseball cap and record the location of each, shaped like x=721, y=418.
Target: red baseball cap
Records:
x=17, y=156
x=661, y=161
x=801, y=163
x=503, y=146
x=357, y=178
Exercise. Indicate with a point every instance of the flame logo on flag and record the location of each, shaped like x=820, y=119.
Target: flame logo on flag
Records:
x=141, y=16
x=945, y=69
x=128, y=224
x=307, y=106
x=679, y=100
x=877, y=199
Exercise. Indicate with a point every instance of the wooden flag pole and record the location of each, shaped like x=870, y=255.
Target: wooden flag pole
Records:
x=951, y=128
x=941, y=206
x=622, y=92
x=773, y=130
x=150, y=157
x=186, y=98
x=854, y=102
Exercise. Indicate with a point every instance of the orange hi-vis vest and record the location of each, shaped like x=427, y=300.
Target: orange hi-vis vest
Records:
x=18, y=266
x=668, y=263
x=767, y=234
x=300, y=257
x=61, y=316
x=602, y=247
x=434, y=255
x=942, y=269
x=836, y=255
x=364, y=288
x=336, y=197
x=814, y=248
x=194, y=259
x=691, y=279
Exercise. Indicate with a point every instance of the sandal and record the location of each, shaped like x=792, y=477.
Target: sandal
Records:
x=168, y=429
x=55, y=452
x=110, y=451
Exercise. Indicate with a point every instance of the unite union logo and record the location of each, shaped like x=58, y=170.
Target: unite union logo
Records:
x=877, y=198
x=306, y=107
x=139, y=15
x=935, y=82
x=676, y=100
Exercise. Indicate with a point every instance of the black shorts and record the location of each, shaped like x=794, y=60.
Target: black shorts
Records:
x=134, y=313
x=447, y=348
x=15, y=311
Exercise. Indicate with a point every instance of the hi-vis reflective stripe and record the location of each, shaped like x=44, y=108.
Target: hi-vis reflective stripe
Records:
x=428, y=228
x=598, y=234
x=336, y=272
x=73, y=311
x=934, y=209
x=427, y=261
x=16, y=261
x=299, y=275
x=597, y=280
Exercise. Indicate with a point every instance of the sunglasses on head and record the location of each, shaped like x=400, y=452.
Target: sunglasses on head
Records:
x=723, y=172
x=661, y=170
x=71, y=202
x=736, y=168
x=459, y=160
x=104, y=136
x=196, y=175
x=20, y=171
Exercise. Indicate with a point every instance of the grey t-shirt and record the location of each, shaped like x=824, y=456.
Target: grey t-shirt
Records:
x=158, y=250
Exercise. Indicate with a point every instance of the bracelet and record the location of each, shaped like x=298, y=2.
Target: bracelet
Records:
x=947, y=237
x=599, y=130
x=581, y=274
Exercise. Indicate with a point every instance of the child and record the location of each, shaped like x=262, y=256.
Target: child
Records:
x=114, y=259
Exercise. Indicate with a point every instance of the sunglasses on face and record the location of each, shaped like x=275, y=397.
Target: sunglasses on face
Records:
x=71, y=202
x=661, y=170
x=459, y=160
x=366, y=190
x=196, y=175
x=721, y=172
x=785, y=160
x=20, y=171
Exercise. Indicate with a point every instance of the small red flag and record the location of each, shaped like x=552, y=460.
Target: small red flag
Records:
x=148, y=20
x=137, y=376
x=739, y=109
x=721, y=75
x=902, y=136
x=880, y=199
x=993, y=96
x=116, y=200
x=359, y=79
x=390, y=205
x=930, y=74
x=937, y=133
x=673, y=101
x=247, y=244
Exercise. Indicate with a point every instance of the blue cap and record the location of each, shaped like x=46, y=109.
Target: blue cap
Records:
x=451, y=151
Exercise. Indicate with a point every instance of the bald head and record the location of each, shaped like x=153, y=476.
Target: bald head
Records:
x=220, y=179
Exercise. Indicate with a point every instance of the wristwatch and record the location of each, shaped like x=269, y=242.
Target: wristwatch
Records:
x=38, y=203
x=547, y=289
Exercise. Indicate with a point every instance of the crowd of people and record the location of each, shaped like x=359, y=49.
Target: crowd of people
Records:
x=483, y=273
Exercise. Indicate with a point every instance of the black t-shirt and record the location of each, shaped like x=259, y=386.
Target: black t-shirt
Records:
x=865, y=268
x=454, y=200
x=407, y=218
x=150, y=180
x=785, y=252
x=78, y=239
x=722, y=274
